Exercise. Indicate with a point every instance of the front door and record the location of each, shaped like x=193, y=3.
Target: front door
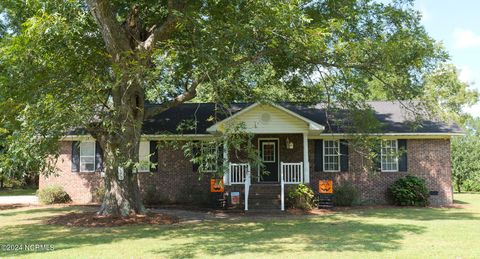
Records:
x=269, y=156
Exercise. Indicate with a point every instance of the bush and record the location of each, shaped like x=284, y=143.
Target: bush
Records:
x=301, y=197
x=99, y=194
x=409, y=191
x=471, y=185
x=53, y=194
x=151, y=196
x=345, y=194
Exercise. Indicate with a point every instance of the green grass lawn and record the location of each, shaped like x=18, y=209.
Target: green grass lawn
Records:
x=359, y=233
x=17, y=191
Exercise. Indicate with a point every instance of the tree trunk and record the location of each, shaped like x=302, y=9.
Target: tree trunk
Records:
x=120, y=143
x=122, y=195
x=459, y=187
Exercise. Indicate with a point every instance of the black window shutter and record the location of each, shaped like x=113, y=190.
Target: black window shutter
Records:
x=154, y=156
x=318, y=155
x=220, y=156
x=75, y=156
x=195, y=153
x=98, y=157
x=343, y=155
x=402, y=159
x=378, y=159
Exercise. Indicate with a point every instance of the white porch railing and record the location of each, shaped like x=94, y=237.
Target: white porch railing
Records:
x=240, y=174
x=290, y=173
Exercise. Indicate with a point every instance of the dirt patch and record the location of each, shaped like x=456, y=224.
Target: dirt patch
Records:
x=91, y=219
x=12, y=206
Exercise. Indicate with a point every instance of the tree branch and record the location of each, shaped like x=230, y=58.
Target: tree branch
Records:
x=184, y=97
x=163, y=32
x=114, y=35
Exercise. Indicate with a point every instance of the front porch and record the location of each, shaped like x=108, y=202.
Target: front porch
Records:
x=239, y=174
x=285, y=160
x=281, y=138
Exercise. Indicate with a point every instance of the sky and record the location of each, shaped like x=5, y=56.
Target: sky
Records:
x=456, y=23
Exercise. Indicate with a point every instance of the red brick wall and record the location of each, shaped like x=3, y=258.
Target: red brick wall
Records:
x=428, y=159
x=177, y=183
x=80, y=186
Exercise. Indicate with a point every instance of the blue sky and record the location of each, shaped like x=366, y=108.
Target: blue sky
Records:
x=456, y=23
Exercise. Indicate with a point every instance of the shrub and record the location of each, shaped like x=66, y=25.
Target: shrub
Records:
x=409, y=191
x=471, y=185
x=53, y=194
x=151, y=196
x=99, y=194
x=345, y=194
x=301, y=197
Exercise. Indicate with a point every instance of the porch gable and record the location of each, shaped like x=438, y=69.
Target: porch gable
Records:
x=269, y=118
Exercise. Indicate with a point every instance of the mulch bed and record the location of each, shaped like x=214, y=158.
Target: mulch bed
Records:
x=91, y=219
x=11, y=206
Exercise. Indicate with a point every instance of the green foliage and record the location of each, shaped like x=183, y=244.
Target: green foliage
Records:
x=471, y=185
x=345, y=194
x=409, y=191
x=465, y=159
x=53, y=194
x=99, y=193
x=301, y=197
x=11, y=182
x=445, y=93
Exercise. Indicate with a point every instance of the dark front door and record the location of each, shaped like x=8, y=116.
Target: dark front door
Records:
x=269, y=156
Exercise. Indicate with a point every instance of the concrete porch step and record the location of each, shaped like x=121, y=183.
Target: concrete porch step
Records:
x=264, y=195
x=260, y=202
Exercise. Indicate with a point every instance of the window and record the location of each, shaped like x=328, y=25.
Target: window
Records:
x=389, y=158
x=209, y=157
x=144, y=156
x=268, y=152
x=331, y=156
x=87, y=156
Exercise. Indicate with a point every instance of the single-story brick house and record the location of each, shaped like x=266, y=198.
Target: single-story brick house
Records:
x=293, y=140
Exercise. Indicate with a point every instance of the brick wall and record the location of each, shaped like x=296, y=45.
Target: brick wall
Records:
x=175, y=181
x=428, y=159
x=80, y=186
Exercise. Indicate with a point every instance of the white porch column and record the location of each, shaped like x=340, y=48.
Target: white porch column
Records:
x=306, y=165
x=226, y=165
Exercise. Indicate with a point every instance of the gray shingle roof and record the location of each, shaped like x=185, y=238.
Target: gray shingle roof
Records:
x=393, y=118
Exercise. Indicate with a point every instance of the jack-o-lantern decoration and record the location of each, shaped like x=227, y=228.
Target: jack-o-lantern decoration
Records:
x=216, y=185
x=325, y=186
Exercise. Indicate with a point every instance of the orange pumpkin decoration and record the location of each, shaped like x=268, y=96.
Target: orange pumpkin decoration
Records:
x=325, y=186
x=216, y=185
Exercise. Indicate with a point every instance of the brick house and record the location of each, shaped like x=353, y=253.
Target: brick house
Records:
x=295, y=141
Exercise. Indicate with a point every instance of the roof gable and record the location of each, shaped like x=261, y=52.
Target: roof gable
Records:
x=268, y=118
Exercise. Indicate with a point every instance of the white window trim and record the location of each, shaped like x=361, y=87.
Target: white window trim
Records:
x=202, y=166
x=94, y=157
x=144, y=170
x=396, y=157
x=323, y=158
x=274, y=151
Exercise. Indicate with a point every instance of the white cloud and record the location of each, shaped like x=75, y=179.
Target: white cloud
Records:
x=465, y=38
x=466, y=74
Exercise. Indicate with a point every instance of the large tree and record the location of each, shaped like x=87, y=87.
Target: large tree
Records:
x=93, y=64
